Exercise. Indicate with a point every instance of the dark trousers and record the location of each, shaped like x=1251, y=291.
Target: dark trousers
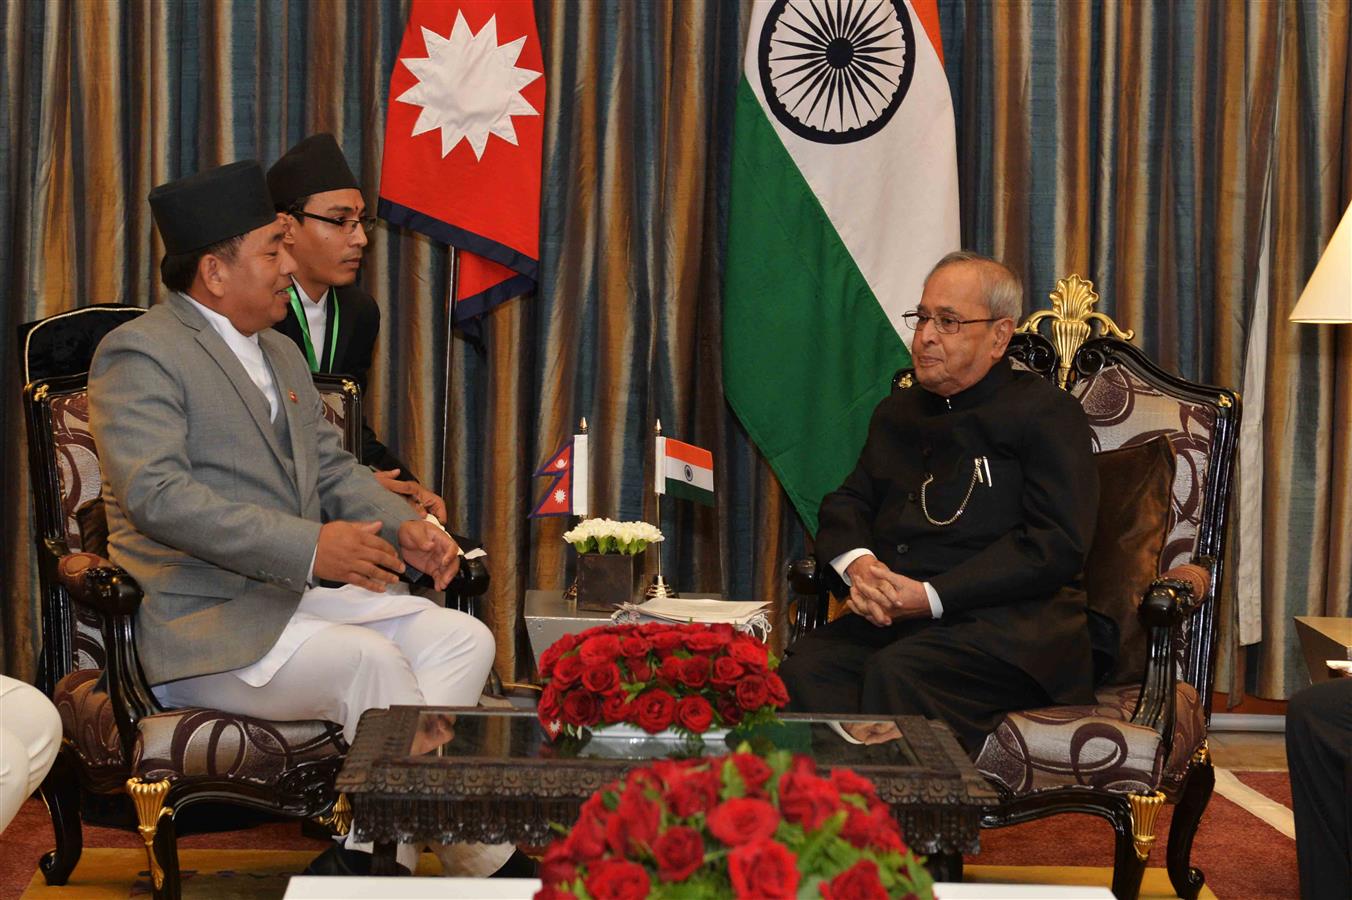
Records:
x=1319, y=755
x=916, y=668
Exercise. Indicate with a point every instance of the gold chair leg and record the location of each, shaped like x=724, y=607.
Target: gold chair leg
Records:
x=149, y=799
x=1145, y=809
x=339, y=819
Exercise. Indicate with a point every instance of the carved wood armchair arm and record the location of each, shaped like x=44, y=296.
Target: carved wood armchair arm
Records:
x=1168, y=603
x=107, y=590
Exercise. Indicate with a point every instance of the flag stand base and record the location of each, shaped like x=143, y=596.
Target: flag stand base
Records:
x=659, y=588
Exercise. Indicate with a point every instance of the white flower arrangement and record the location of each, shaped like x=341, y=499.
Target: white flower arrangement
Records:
x=609, y=536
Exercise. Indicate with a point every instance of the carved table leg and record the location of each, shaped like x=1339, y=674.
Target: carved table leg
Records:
x=382, y=859
x=945, y=866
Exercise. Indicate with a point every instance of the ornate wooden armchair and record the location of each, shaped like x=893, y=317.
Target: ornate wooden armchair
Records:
x=1143, y=742
x=117, y=738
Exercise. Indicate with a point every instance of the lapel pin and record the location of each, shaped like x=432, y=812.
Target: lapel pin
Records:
x=292, y=395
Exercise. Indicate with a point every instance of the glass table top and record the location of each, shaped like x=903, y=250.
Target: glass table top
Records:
x=443, y=736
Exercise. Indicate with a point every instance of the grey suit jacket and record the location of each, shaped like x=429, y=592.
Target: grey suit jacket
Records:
x=202, y=509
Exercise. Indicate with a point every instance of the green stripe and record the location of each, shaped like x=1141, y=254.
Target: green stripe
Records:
x=685, y=491
x=807, y=350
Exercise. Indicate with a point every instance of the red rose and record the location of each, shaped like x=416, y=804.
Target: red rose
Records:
x=548, y=658
x=727, y=672
x=763, y=869
x=779, y=694
x=847, y=781
x=742, y=821
x=567, y=671
x=679, y=852
x=635, y=646
x=614, y=879
x=667, y=640
x=707, y=640
x=634, y=823
x=601, y=679
x=587, y=840
x=548, y=710
x=755, y=771
x=858, y=827
x=729, y=711
x=752, y=693
x=654, y=710
x=599, y=650
x=693, y=793
x=749, y=652
x=806, y=799
x=639, y=668
x=614, y=708
x=580, y=708
x=695, y=714
x=670, y=670
x=695, y=672
x=557, y=865
x=859, y=882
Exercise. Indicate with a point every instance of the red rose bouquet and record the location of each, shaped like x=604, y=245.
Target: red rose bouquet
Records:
x=656, y=676
x=734, y=826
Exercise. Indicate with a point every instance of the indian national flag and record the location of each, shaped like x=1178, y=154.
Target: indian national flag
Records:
x=844, y=194
x=685, y=471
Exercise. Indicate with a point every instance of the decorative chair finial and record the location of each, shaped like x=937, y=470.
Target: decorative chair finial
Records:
x=1072, y=313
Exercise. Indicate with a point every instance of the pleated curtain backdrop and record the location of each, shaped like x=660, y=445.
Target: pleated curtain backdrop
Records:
x=1130, y=142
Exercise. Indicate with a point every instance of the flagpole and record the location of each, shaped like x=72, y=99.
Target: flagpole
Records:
x=446, y=397
x=658, y=588
x=570, y=594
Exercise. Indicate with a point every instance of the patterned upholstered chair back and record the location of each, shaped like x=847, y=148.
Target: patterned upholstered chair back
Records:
x=65, y=472
x=342, y=407
x=1129, y=401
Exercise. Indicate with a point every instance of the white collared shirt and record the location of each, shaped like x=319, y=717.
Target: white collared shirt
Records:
x=317, y=317
x=247, y=351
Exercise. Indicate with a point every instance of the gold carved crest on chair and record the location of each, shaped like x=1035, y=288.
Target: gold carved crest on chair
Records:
x=1072, y=316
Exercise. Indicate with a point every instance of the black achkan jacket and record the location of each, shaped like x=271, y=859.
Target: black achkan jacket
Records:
x=1008, y=570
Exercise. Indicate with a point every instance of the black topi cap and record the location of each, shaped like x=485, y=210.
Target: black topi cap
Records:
x=313, y=166
x=212, y=206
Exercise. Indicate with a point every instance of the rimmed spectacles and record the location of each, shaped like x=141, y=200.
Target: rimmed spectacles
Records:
x=945, y=323
x=347, y=225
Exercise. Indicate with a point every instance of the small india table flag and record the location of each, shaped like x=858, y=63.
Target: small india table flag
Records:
x=685, y=471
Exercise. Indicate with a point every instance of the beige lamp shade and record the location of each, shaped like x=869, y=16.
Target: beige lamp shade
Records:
x=1327, y=298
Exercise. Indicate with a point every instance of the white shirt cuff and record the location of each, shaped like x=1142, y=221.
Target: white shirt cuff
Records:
x=842, y=562
x=936, y=608
x=310, y=576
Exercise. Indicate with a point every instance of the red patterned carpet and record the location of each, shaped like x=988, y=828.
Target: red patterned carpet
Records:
x=1243, y=857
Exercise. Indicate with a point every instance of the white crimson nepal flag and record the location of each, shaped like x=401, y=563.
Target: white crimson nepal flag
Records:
x=843, y=194
x=568, y=491
x=464, y=131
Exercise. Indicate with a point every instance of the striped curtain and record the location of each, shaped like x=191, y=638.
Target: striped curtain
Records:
x=1130, y=142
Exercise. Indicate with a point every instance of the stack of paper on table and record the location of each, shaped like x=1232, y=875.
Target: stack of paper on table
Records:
x=705, y=610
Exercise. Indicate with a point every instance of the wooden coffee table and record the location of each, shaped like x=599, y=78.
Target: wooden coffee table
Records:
x=444, y=774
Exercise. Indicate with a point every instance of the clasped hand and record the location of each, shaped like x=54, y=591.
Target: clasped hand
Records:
x=882, y=596
x=355, y=553
x=420, y=498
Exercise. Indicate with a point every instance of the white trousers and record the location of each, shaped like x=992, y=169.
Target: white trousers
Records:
x=30, y=736
x=434, y=657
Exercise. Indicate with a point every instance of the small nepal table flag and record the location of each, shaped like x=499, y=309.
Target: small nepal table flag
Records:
x=567, y=494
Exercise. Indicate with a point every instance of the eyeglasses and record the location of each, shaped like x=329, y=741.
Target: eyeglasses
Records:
x=348, y=226
x=946, y=324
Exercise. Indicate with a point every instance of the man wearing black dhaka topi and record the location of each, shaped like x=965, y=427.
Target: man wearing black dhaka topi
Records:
x=962, y=531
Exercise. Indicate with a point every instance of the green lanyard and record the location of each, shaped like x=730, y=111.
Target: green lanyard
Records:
x=305, y=328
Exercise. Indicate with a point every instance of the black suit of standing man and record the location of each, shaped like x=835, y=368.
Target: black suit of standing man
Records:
x=961, y=532
x=333, y=321
x=1319, y=754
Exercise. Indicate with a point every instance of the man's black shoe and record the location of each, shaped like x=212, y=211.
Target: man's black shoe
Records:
x=340, y=861
x=518, y=865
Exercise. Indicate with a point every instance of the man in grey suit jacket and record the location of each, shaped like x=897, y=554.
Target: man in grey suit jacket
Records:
x=229, y=496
